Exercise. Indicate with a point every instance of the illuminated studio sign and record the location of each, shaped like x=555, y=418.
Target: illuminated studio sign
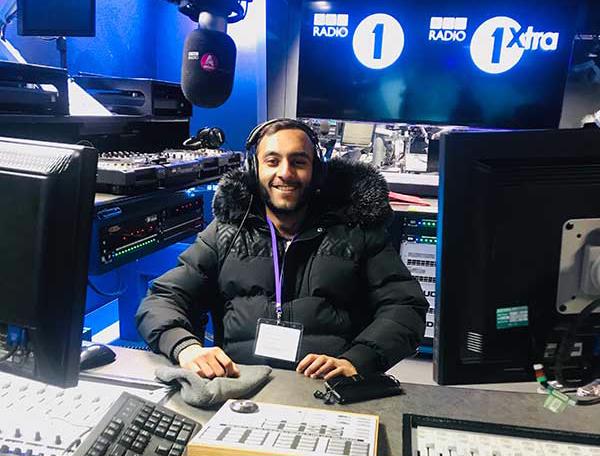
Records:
x=499, y=43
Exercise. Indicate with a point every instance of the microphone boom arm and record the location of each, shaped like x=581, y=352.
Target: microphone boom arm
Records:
x=230, y=9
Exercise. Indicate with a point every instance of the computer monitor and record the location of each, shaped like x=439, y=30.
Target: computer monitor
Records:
x=516, y=212
x=357, y=134
x=56, y=17
x=46, y=202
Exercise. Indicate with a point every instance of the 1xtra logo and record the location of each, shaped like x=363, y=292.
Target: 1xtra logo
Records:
x=500, y=42
x=448, y=29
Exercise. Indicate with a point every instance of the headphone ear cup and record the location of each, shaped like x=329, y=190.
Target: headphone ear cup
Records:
x=252, y=167
x=215, y=138
x=319, y=173
x=255, y=168
x=319, y=165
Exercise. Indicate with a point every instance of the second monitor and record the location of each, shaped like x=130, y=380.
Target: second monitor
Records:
x=46, y=202
x=357, y=134
x=517, y=213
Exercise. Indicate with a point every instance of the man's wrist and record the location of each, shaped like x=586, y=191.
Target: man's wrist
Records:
x=179, y=347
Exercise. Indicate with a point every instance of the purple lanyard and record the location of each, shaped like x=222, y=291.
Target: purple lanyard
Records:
x=278, y=275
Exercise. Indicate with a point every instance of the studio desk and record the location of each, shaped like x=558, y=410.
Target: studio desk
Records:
x=512, y=404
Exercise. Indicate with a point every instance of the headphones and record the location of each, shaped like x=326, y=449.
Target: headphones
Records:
x=206, y=138
x=319, y=166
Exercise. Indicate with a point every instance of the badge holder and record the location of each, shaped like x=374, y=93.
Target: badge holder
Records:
x=278, y=339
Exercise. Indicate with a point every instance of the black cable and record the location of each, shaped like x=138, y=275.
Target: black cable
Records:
x=116, y=294
x=75, y=443
x=566, y=344
x=239, y=228
x=7, y=21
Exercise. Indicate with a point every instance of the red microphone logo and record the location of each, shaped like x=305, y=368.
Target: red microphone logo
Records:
x=209, y=62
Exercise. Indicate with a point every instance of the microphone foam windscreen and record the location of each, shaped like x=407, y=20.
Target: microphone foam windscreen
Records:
x=208, y=67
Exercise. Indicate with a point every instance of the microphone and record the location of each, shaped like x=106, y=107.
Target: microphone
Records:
x=208, y=63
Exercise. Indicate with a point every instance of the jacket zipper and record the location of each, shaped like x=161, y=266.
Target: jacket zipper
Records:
x=320, y=232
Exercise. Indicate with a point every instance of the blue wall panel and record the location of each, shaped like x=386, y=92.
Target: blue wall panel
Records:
x=124, y=45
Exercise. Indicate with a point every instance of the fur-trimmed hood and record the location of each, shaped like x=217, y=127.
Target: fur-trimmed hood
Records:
x=353, y=189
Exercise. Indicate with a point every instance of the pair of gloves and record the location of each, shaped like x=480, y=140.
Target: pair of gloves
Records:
x=205, y=393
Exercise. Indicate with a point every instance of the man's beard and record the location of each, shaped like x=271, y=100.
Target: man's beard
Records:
x=302, y=201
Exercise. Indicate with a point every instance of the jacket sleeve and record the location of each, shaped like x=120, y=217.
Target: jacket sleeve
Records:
x=398, y=306
x=174, y=312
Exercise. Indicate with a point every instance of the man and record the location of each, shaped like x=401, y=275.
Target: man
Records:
x=342, y=289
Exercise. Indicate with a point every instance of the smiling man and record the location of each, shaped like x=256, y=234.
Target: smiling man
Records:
x=296, y=270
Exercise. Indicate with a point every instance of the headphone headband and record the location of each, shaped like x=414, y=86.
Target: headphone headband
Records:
x=254, y=135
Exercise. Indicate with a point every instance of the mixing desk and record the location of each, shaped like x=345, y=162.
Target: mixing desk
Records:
x=126, y=172
x=38, y=419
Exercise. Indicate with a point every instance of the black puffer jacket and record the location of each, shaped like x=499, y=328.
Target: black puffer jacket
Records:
x=342, y=279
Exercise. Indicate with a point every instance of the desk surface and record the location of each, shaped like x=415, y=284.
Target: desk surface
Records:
x=422, y=396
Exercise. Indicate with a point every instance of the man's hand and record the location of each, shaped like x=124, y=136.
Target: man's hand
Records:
x=326, y=367
x=208, y=362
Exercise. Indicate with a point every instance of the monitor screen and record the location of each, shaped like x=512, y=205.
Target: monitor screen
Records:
x=357, y=134
x=486, y=64
x=46, y=202
x=518, y=216
x=56, y=17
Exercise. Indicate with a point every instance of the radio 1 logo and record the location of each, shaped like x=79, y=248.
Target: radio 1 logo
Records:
x=330, y=25
x=500, y=42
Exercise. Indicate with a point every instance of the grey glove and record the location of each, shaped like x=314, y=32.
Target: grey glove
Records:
x=202, y=392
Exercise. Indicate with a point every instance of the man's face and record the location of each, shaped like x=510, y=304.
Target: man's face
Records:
x=285, y=164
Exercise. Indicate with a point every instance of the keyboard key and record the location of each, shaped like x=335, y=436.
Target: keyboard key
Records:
x=138, y=446
x=139, y=421
x=171, y=435
x=149, y=426
x=101, y=449
x=110, y=433
x=183, y=437
x=162, y=450
x=103, y=441
x=117, y=450
x=126, y=441
x=174, y=429
x=160, y=431
x=118, y=422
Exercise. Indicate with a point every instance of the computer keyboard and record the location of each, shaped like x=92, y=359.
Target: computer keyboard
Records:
x=432, y=436
x=38, y=419
x=134, y=426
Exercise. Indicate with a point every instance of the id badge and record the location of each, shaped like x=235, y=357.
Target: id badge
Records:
x=278, y=340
